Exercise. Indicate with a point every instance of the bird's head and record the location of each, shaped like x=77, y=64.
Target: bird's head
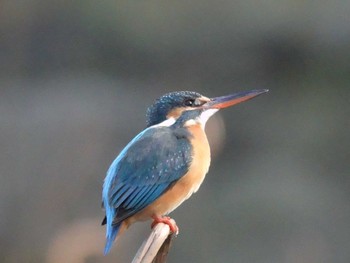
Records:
x=172, y=105
x=175, y=104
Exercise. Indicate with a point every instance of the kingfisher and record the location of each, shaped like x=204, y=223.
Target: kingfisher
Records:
x=164, y=164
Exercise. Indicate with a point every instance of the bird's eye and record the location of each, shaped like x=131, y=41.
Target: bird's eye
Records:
x=189, y=102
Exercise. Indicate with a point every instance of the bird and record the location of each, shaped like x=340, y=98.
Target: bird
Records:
x=164, y=164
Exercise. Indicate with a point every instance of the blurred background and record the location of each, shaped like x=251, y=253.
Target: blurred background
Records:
x=76, y=78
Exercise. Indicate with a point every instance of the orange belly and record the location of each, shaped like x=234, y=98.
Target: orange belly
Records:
x=184, y=187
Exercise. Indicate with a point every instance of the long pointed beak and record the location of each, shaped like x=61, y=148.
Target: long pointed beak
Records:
x=230, y=100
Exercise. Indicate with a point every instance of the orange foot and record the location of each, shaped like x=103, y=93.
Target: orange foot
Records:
x=165, y=220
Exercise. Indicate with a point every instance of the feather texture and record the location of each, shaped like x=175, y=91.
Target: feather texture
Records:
x=146, y=168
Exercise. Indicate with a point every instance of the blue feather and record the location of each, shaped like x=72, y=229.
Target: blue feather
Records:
x=110, y=237
x=141, y=193
x=130, y=201
x=119, y=199
x=142, y=172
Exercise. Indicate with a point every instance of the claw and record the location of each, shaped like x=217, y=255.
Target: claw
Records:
x=165, y=220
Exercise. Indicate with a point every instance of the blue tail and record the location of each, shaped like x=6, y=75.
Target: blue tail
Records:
x=112, y=232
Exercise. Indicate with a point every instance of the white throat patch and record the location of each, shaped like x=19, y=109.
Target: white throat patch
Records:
x=202, y=119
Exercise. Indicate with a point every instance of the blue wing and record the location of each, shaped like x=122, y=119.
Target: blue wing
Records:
x=145, y=169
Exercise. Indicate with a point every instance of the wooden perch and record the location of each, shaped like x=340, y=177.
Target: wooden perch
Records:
x=156, y=247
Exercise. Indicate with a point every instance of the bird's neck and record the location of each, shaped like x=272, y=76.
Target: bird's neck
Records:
x=201, y=154
x=200, y=142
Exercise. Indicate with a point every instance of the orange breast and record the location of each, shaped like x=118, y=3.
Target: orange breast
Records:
x=184, y=187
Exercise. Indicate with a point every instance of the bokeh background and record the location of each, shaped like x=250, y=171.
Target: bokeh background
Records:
x=77, y=76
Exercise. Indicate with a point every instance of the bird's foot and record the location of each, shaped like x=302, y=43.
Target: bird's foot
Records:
x=165, y=220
